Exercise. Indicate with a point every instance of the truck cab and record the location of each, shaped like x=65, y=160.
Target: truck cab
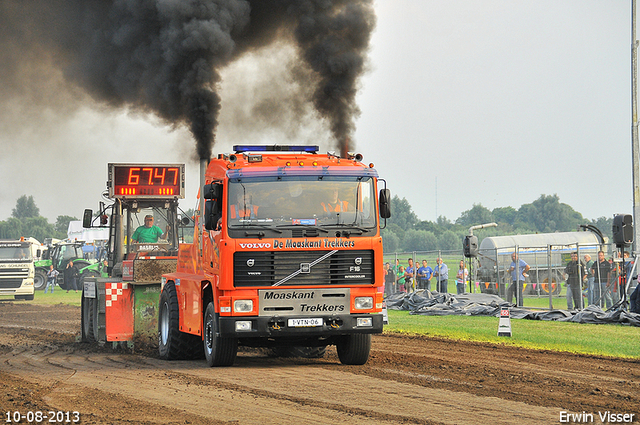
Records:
x=17, y=269
x=287, y=253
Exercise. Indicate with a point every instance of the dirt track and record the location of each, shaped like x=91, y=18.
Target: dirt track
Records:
x=406, y=381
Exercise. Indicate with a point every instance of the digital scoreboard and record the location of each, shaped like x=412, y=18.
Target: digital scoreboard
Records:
x=146, y=181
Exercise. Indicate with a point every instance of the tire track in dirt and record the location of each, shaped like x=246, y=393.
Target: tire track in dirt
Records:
x=417, y=380
x=284, y=392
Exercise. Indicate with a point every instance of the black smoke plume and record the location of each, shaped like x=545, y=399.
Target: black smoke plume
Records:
x=164, y=56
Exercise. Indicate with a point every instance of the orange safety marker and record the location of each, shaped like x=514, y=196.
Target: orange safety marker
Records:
x=119, y=311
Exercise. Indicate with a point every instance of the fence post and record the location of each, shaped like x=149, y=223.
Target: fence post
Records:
x=580, y=276
x=550, y=278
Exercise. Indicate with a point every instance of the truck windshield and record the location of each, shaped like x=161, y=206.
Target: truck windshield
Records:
x=14, y=252
x=302, y=201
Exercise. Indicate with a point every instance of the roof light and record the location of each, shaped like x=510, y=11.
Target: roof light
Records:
x=276, y=148
x=254, y=158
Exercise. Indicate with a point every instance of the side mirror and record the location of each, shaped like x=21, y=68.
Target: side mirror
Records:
x=385, y=203
x=87, y=217
x=212, y=191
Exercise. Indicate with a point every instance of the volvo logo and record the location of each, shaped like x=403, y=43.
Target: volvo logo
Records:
x=251, y=262
x=358, y=261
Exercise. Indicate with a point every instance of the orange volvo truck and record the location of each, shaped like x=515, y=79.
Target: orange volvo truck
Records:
x=287, y=254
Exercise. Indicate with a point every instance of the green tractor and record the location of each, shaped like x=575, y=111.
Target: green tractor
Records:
x=59, y=253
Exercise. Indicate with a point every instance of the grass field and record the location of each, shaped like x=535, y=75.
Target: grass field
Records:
x=606, y=340
x=58, y=296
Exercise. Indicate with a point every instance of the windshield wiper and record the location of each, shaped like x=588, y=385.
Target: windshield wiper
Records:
x=351, y=226
x=255, y=225
x=304, y=226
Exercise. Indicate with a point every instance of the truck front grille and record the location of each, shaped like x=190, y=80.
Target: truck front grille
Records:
x=10, y=283
x=14, y=273
x=309, y=268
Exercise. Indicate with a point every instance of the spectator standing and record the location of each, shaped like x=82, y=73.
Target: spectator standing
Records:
x=461, y=278
x=575, y=274
x=424, y=276
x=588, y=263
x=70, y=274
x=441, y=272
x=409, y=274
x=601, y=270
x=52, y=275
x=396, y=269
x=389, y=280
x=400, y=280
x=518, y=269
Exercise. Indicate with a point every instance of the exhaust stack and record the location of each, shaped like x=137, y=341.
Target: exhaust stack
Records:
x=203, y=168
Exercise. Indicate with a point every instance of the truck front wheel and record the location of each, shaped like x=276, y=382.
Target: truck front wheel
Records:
x=354, y=349
x=218, y=351
x=39, y=279
x=172, y=343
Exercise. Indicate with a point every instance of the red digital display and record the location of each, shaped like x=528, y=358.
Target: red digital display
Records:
x=146, y=181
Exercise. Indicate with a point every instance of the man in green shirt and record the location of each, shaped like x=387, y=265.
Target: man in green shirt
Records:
x=149, y=233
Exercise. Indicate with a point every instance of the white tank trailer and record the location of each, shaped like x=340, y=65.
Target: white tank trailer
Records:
x=546, y=253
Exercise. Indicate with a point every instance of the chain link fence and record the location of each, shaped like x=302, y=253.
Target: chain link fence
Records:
x=545, y=281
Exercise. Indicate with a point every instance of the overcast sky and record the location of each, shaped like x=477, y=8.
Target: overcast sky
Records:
x=465, y=102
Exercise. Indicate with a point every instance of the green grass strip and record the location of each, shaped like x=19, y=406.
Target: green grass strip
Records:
x=604, y=340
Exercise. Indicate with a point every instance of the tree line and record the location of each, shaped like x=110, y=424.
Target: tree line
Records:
x=26, y=221
x=405, y=232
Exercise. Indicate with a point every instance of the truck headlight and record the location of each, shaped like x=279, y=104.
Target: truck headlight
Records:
x=243, y=325
x=364, y=321
x=363, y=303
x=243, y=306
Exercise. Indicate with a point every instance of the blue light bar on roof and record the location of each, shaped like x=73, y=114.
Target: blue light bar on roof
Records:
x=275, y=148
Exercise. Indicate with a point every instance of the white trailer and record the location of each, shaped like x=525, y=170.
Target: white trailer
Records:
x=546, y=253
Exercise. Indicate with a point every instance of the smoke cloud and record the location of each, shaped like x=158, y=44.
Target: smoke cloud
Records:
x=165, y=56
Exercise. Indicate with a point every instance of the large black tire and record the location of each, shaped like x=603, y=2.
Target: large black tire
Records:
x=218, y=351
x=354, y=349
x=95, y=323
x=39, y=279
x=86, y=307
x=305, y=352
x=172, y=343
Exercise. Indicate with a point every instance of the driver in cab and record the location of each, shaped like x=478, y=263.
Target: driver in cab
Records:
x=334, y=204
x=149, y=233
x=242, y=209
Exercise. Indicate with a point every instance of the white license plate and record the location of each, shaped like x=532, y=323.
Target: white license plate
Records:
x=302, y=323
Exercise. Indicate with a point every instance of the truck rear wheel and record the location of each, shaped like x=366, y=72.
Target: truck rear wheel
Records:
x=218, y=351
x=354, y=349
x=172, y=343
